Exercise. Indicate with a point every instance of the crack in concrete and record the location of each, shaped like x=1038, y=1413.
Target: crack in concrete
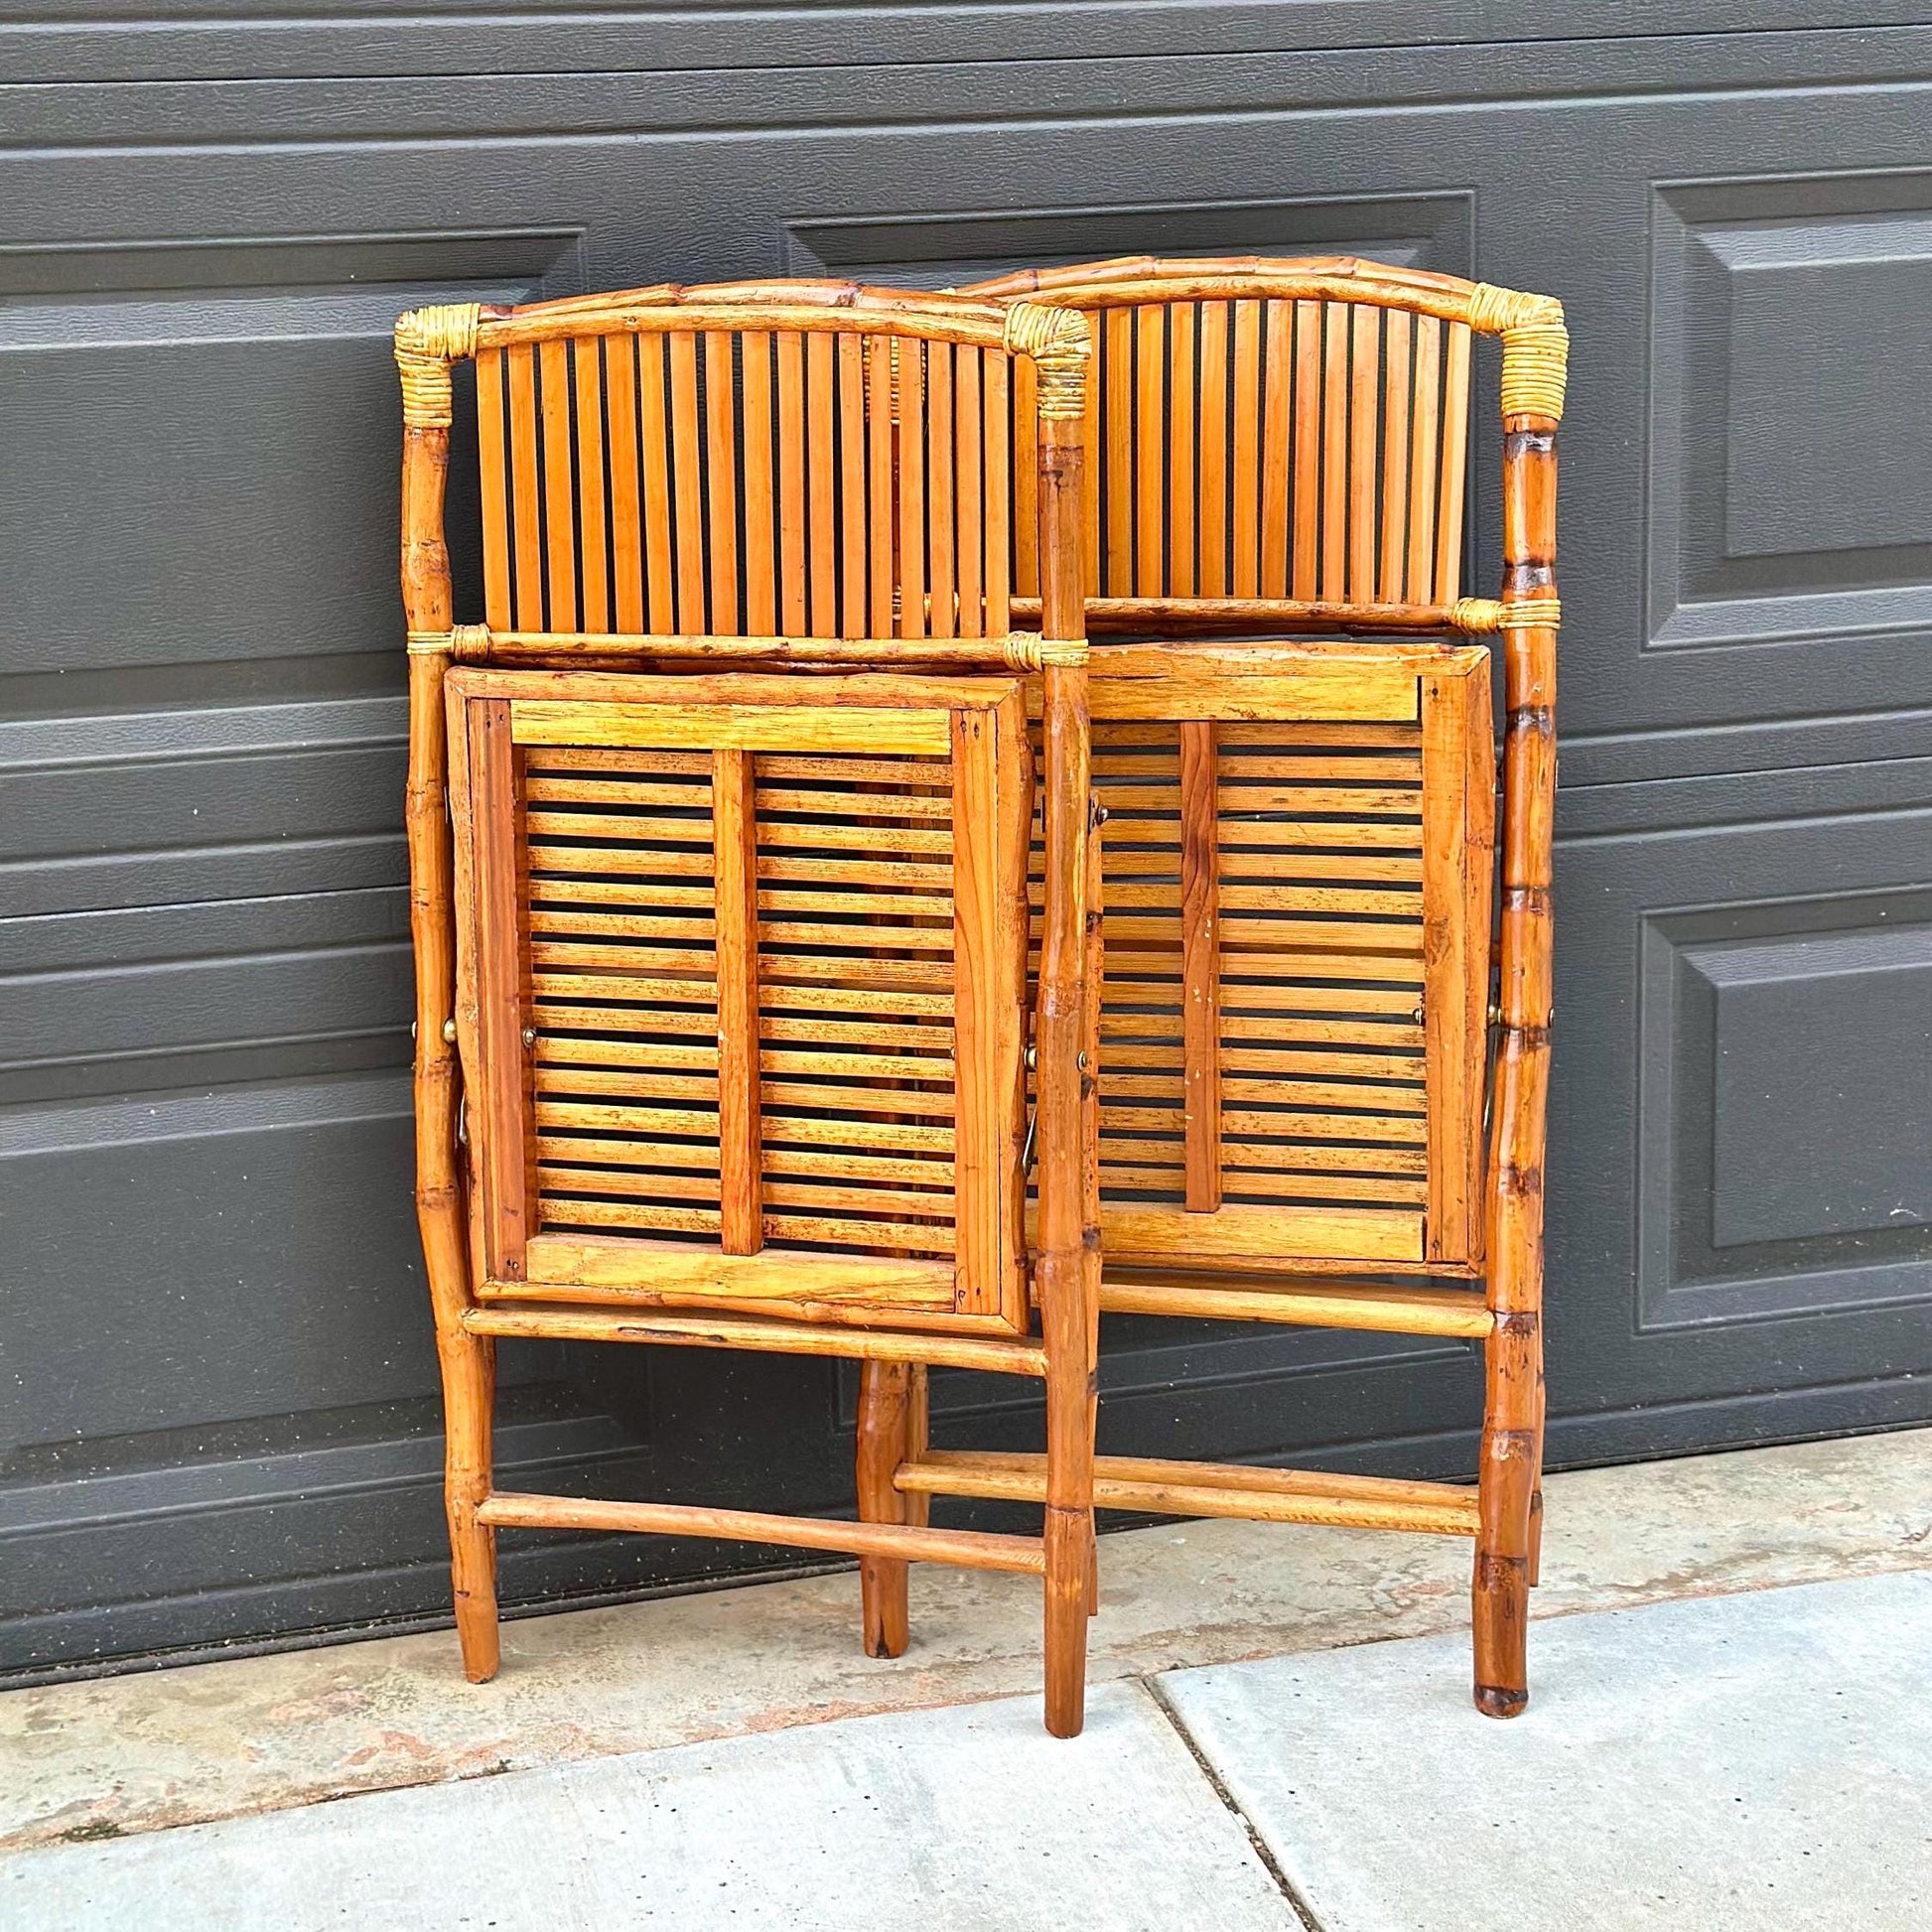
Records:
x=1297, y=1904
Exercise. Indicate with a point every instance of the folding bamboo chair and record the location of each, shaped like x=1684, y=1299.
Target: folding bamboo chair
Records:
x=719, y=830
x=1299, y=882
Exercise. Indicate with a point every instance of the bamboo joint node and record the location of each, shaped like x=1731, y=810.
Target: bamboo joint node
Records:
x=428, y=341
x=1530, y=613
x=1059, y=342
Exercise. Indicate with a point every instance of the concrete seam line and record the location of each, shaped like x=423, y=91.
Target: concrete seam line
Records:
x=1299, y=1906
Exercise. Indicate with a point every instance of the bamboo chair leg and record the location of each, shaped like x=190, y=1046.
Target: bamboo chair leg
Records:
x=1500, y=1594
x=1513, y=1421
x=918, y=1508
x=469, y=1394
x=884, y=1415
x=1069, y=1547
x=1536, y=1495
x=1096, y=979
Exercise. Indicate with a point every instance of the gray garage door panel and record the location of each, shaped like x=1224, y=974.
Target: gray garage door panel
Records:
x=217, y=1397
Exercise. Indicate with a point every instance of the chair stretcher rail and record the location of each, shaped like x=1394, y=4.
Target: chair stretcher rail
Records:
x=1311, y=1305
x=970, y=1549
x=1206, y=1489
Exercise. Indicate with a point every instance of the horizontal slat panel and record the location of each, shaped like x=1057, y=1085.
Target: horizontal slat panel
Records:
x=855, y=935
x=1318, y=925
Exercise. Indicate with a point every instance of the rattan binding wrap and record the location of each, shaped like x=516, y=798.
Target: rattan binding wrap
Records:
x=428, y=341
x=1484, y=613
x=1532, y=614
x=1536, y=348
x=1060, y=342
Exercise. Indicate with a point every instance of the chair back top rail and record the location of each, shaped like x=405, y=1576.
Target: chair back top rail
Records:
x=1129, y=280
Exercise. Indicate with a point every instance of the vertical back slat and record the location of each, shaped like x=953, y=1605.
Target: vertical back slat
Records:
x=594, y=531
x=882, y=431
x=999, y=491
x=1116, y=577
x=1213, y=478
x=1184, y=442
x=1150, y=440
x=524, y=498
x=627, y=520
x=792, y=483
x=969, y=504
x=1245, y=485
x=1026, y=477
x=492, y=485
x=761, y=508
x=1395, y=454
x=1307, y=447
x=687, y=435
x=1456, y=434
x=661, y=601
x=941, y=571
x=1425, y=457
x=1364, y=385
x=821, y=458
x=559, y=507
x=1026, y=435
x=854, y=520
x=1275, y=449
x=720, y=479
x=1334, y=451
x=911, y=487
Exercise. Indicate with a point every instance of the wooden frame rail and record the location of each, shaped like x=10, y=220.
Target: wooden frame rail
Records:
x=766, y=1337
x=1216, y=616
x=1016, y=650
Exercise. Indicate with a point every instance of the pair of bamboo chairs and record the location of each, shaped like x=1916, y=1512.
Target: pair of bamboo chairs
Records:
x=761, y=994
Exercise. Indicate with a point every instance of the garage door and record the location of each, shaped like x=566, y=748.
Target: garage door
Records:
x=218, y=1415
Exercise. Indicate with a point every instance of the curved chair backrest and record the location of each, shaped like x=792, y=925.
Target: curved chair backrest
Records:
x=1287, y=438
x=799, y=459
